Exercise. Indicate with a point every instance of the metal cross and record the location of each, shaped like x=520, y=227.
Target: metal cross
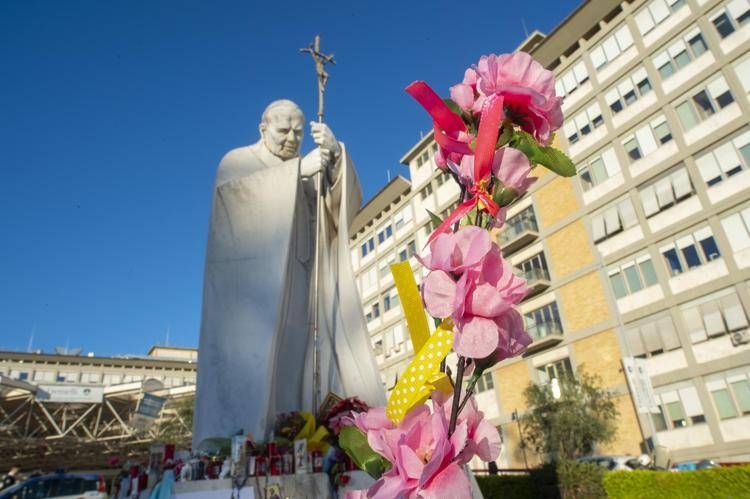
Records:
x=320, y=61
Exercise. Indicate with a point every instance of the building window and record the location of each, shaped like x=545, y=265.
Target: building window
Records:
x=112, y=379
x=377, y=346
x=408, y=251
x=583, y=123
x=555, y=370
x=385, y=233
x=23, y=376
x=390, y=300
x=666, y=192
x=571, y=80
x=599, y=168
x=632, y=276
x=652, y=336
x=612, y=46
x=426, y=191
x=91, y=378
x=403, y=217
x=543, y=321
x=67, y=377
x=369, y=279
x=704, y=103
x=613, y=220
x=628, y=91
x=731, y=394
x=737, y=230
x=730, y=17
x=368, y=246
x=730, y=158
x=647, y=139
x=743, y=73
x=687, y=48
x=678, y=408
x=714, y=315
x=384, y=267
x=484, y=383
x=42, y=376
x=534, y=267
x=690, y=251
x=655, y=13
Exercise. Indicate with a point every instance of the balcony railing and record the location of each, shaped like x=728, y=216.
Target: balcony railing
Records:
x=544, y=335
x=518, y=234
x=537, y=280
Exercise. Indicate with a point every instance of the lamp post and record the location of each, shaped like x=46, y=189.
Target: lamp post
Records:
x=514, y=417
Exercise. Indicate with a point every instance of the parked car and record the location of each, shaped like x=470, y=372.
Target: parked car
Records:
x=703, y=464
x=60, y=486
x=614, y=463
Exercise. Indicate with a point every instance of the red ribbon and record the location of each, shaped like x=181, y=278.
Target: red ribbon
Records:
x=447, y=126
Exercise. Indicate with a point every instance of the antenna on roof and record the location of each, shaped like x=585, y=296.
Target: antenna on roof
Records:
x=166, y=340
x=31, y=338
x=388, y=172
x=525, y=30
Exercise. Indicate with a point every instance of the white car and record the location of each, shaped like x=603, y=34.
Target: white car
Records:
x=613, y=463
x=59, y=486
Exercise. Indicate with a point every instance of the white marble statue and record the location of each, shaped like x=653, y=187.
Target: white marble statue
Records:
x=256, y=348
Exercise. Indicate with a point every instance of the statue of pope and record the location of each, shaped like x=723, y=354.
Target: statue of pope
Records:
x=256, y=346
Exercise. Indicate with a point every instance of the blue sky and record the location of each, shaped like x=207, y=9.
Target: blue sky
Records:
x=114, y=116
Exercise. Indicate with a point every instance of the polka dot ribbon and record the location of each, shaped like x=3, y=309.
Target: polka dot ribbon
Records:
x=422, y=375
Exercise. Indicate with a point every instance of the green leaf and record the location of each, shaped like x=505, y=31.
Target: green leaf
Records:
x=549, y=157
x=436, y=220
x=453, y=106
x=506, y=133
x=354, y=443
x=503, y=196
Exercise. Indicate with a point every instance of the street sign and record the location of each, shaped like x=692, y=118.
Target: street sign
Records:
x=70, y=393
x=640, y=384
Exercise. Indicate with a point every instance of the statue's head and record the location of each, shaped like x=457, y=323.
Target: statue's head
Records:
x=281, y=128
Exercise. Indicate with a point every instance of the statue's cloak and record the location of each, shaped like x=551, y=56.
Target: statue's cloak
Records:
x=256, y=346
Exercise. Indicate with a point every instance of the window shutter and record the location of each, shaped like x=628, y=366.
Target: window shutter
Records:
x=669, y=337
x=664, y=192
x=612, y=220
x=736, y=232
x=727, y=157
x=713, y=320
x=681, y=183
x=633, y=337
x=648, y=198
x=624, y=38
x=579, y=70
x=646, y=140
x=627, y=213
x=597, y=227
x=651, y=337
x=708, y=167
x=690, y=401
x=733, y=312
x=643, y=21
x=659, y=10
x=611, y=49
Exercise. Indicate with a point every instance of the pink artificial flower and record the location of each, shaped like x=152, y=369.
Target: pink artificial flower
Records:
x=483, y=439
x=512, y=168
x=465, y=93
x=475, y=286
x=425, y=460
x=528, y=91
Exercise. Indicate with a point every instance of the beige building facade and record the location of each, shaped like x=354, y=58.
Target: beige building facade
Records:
x=646, y=253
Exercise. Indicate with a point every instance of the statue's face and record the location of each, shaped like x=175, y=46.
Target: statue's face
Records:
x=282, y=131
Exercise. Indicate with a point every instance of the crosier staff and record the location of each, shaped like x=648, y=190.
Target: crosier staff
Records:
x=320, y=60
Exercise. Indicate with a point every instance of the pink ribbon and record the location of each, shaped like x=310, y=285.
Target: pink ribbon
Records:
x=447, y=126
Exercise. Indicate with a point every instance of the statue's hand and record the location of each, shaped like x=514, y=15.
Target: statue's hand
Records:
x=313, y=162
x=323, y=136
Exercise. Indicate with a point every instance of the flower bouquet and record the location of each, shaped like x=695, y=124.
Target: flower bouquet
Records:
x=494, y=130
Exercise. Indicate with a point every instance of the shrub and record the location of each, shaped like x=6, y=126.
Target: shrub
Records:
x=506, y=486
x=717, y=482
x=580, y=480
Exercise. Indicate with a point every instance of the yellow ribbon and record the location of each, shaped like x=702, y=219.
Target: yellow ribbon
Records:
x=314, y=436
x=422, y=375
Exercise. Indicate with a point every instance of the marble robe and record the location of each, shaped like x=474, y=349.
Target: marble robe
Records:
x=256, y=347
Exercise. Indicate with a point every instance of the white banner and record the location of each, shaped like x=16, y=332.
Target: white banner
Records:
x=70, y=393
x=640, y=384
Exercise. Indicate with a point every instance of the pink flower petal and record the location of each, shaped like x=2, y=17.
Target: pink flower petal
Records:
x=487, y=442
x=438, y=293
x=512, y=167
x=451, y=482
x=472, y=244
x=477, y=339
x=487, y=301
x=463, y=95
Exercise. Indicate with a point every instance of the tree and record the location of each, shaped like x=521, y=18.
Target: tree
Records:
x=176, y=425
x=572, y=425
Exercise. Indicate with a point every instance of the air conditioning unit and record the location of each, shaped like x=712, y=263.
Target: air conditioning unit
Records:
x=740, y=337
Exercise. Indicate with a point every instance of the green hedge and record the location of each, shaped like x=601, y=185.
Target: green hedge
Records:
x=721, y=483
x=506, y=486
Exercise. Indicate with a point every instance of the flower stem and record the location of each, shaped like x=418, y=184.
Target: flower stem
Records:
x=469, y=393
x=456, y=394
